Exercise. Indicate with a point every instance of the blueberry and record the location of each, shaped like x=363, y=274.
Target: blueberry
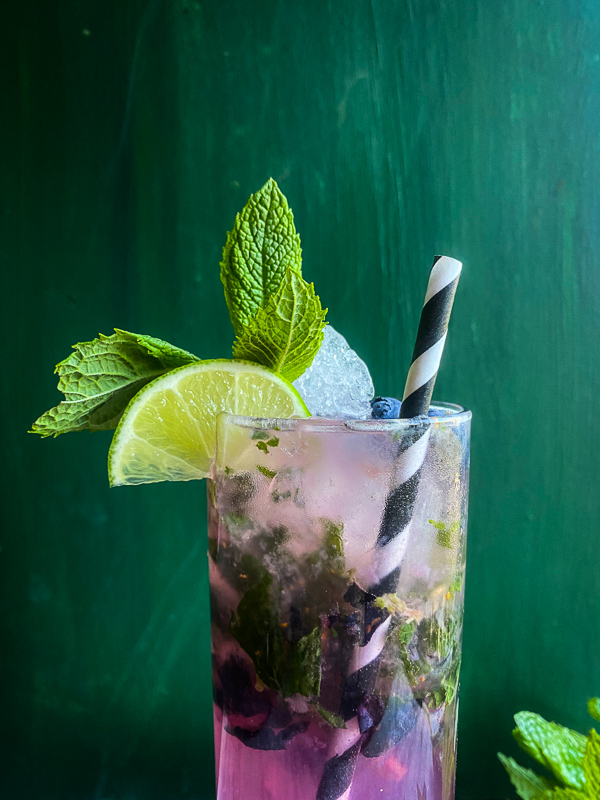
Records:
x=385, y=408
x=435, y=411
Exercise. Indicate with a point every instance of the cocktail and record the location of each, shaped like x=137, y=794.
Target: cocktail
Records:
x=336, y=539
x=336, y=643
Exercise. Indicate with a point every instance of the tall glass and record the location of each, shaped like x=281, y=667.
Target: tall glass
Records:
x=337, y=557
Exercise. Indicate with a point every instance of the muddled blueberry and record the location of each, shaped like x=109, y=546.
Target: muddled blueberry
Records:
x=385, y=408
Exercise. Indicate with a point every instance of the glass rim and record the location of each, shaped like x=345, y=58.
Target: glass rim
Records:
x=453, y=416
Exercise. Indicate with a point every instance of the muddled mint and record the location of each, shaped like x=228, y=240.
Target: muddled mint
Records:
x=332, y=719
x=264, y=445
x=448, y=536
x=430, y=653
x=291, y=667
x=100, y=378
x=268, y=473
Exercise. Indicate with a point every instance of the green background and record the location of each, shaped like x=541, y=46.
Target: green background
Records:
x=131, y=134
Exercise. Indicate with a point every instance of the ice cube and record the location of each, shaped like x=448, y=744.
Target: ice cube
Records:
x=337, y=384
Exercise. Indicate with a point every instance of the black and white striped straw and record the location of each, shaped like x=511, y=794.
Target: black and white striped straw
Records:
x=392, y=539
x=431, y=336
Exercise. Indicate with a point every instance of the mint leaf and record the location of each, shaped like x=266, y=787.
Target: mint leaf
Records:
x=559, y=749
x=591, y=765
x=256, y=628
x=332, y=719
x=527, y=784
x=100, y=378
x=292, y=668
x=563, y=794
x=447, y=535
x=287, y=332
x=594, y=708
x=262, y=243
x=268, y=473
x=301, y=670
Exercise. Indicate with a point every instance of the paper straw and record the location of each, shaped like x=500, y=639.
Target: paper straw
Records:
x=392, y=539
x=431, y=336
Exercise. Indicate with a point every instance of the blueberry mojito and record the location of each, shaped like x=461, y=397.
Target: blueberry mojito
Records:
x=336, y=527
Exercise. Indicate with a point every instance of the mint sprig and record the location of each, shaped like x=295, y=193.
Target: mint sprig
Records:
x=557, y=748
x=287, y=333
x=528, y=785
x=572, y=759
x=100, y=377
x=261, y=245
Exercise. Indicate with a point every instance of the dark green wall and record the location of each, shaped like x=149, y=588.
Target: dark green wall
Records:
x=131, y=134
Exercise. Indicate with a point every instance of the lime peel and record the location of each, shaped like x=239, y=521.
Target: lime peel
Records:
x=168, y=430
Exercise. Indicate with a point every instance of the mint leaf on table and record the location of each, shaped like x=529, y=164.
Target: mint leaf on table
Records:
x=559, y=749
x=262, y=243
x=591, y=765
x=100, y=378
x=527, y=784
x=286, y=333
x=561, y=793
x=594, y=708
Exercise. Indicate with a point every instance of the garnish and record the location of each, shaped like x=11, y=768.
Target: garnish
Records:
x=285, y=334
x=262, y=243
x=100, y=378
x=572, y=759
x=278, y=321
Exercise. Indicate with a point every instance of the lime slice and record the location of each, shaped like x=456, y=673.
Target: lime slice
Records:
x=168, y=430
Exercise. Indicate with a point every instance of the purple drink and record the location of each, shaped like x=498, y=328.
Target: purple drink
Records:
x=336, y=660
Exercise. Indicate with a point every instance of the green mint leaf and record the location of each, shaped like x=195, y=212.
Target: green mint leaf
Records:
x=561, y=793
x=262, y=243
x=591, y=765
x=559, y=749
x=268, y=473
x=288, y=667
x=527, y=784
x=594, y=708
x=256, y=628
x=301, y=669
x=406, y=631
x=455, y=586
x=447, y=535
x=100, y=378
x=332, y=719
x=286, y=334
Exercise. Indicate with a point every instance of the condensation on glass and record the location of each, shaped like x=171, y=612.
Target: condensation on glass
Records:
x=337, y=557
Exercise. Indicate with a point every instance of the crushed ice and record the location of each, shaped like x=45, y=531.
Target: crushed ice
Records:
x=337, y=385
